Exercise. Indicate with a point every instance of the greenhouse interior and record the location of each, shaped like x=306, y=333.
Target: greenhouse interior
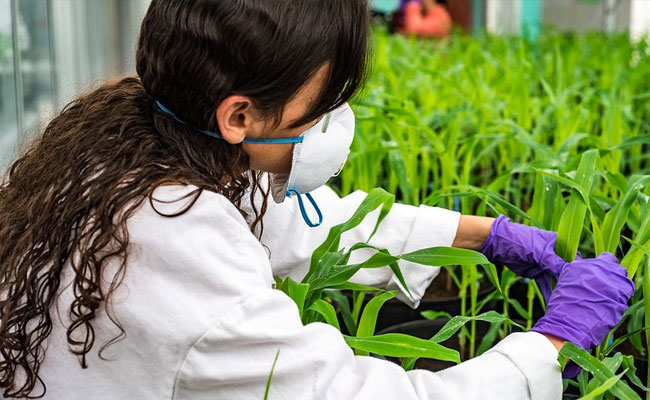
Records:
x=384, y=199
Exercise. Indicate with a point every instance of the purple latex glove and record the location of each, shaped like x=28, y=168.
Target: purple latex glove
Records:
x=527, y=251
x=588, y=301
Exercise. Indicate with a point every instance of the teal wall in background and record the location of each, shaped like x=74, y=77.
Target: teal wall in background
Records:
x=384, y=6
x=478, y=15
x=531, y=18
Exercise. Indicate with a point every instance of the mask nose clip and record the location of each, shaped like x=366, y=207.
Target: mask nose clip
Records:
x=303, y=210
x=326, y=124
x=338, y=171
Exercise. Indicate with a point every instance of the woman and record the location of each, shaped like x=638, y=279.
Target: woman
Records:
x=134, y=233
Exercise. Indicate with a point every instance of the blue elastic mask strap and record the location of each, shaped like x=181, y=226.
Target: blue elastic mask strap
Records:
x=216, y=135
x=303, y=211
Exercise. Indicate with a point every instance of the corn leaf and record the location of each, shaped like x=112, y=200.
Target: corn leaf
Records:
x=489, y=338
x=344, y=308
x=628, y=364
x=358, y=299
x=355, y=287
x=454, y=325
x=376, y=198
x=270, y=378
x=600, y=371
x=440, y=256
x=399, y=345
x=433, y=315
x=327, y=311
x=598, y=392
x=572, y=221
x=368, y=319
x=458, y=322
x=297, y=292
x=633, y=258
x=616, y=218
x=369, y=316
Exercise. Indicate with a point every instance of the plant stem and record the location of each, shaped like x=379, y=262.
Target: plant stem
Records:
x=506, y=307
x=461, y=337
x=646, y=300
x=531, y=298
x=474, y=281
x=358, y=298
x=463, y=309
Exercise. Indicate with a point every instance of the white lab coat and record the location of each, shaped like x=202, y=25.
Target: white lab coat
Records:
x=202, y=320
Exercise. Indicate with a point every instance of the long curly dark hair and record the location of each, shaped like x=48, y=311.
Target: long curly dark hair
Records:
x=65, y=202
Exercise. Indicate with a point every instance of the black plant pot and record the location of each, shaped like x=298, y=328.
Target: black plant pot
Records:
x=395, y=312
x=425, y=329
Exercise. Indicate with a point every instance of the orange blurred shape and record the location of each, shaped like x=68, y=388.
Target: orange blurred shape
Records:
x=436, y=22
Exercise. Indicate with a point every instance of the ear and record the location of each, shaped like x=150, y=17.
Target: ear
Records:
x=235, y=117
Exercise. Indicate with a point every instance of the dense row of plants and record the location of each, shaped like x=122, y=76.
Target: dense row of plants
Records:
x=554, y=134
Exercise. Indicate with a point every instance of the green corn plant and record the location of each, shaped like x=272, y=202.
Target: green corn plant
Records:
x=573, y=217
x=646, y=299
x=330, y=270
x=456, y=324
x=605, y=381
x=553, y=133
x=430, y=122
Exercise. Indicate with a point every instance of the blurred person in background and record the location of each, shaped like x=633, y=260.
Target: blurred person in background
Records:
x=424, y=18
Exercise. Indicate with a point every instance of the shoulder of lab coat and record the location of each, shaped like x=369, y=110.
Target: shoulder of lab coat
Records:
x=406, y=228
x=182, y=275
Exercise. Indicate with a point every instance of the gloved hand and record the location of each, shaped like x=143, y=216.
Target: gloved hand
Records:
x=589, y=300
x=527, y=251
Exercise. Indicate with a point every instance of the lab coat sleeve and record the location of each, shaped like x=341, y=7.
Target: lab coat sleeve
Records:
x=406, y=228
x=235, y=357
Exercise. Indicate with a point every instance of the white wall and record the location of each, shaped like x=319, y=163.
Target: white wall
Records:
x=582, y=16
x=503, y=16
x=85, y=41
x=93, y=40
x=640, y=18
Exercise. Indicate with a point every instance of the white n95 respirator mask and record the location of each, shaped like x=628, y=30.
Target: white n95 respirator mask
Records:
x=318, y=154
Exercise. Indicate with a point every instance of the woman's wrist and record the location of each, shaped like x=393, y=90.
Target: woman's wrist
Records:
x=472, y=232
x=556, y=341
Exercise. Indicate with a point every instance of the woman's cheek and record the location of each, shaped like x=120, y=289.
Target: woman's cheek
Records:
x=273, y=158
